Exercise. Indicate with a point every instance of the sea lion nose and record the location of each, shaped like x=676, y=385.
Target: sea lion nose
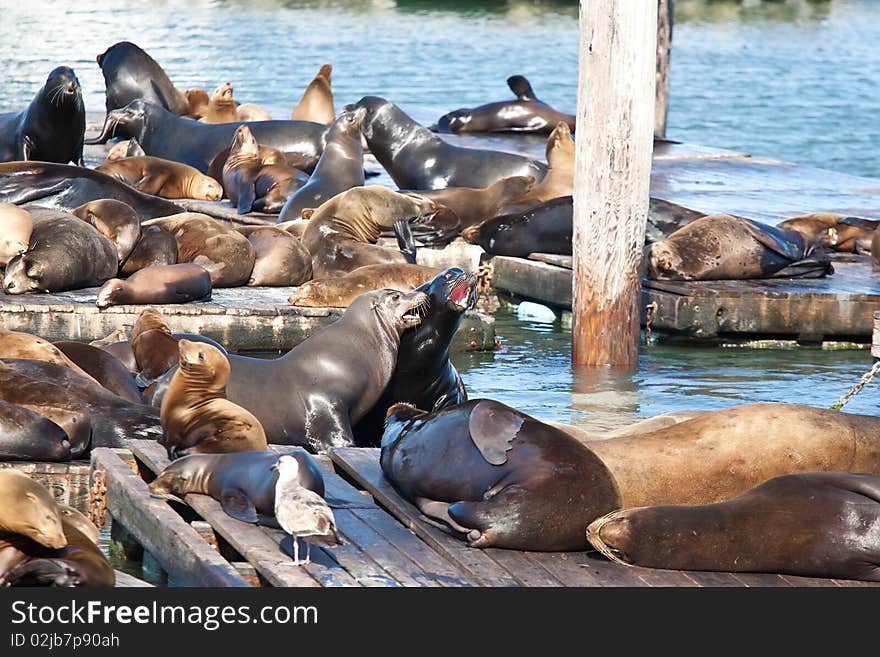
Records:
x=71, y=87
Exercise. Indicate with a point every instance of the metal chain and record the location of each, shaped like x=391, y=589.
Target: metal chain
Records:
x=98, y=498
x=650, y=309
x=857, y=388
x=484, y=281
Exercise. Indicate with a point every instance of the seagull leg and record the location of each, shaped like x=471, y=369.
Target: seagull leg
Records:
x=296, y=561
x=308, y=553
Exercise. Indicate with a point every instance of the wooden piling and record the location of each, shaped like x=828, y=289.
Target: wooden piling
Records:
x=665, y=10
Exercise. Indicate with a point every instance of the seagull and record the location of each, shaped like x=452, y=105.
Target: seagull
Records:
x=299, y=511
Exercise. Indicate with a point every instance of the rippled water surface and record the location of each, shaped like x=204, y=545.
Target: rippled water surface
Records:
x=796, y=80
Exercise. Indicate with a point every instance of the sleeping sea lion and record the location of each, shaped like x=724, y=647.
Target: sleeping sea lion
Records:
x=157, y=284
x=154, y=175
x=116, y=221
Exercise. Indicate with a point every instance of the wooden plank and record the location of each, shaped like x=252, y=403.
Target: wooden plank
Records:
x=527, y=572
x=245, y=538
x=612, y=574
x=323, y=567
x=707, y=578
x=762, y=580
x=362, y=465
x=811, y=582
x=338, y=492
x=563, y=261
x=572, y=568
x=124, y=580
x=661, y=578
x=178, y=548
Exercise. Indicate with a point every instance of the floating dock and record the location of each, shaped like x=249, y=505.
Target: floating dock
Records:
x=385, y=540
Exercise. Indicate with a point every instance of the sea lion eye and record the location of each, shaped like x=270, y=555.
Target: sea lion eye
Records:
x=201, y=356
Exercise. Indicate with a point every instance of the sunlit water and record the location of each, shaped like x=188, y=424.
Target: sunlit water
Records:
x=794, y=80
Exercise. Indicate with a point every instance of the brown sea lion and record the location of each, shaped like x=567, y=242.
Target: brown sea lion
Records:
x=242, y=166
x=116, y=221
x=65, y=253
x=123, y=149
x=342, y=233
x=28, y=435
x=297, y=227
x=725, y=247
x=251, y=112
x=226, y=254
x=17, y=344
x=154, y=175
x=317, y=101
x=28, y=509
x=197, y=101
x=665, y=217
x=559, y=179
x=155, y=348
x=16, y=227
x=340, y=291
x=497, y=476
x=281, y=259
x=268, y=155
x=274, y=184
x=875, y=251
x=157, y=284
x=104, y=367
x=75, y=518
x=196, y=416
x=243, y=482
x=341, y=167
x=221, y=106
x=833, y=230
x=117, y=335
x=816, y=524
x=156, y=246
x=475, y=204
x=121, y=350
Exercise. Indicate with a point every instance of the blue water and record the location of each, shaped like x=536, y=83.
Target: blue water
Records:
x=794, y=80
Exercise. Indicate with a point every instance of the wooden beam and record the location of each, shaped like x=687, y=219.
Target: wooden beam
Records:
x=665, y=9
x=618, y=40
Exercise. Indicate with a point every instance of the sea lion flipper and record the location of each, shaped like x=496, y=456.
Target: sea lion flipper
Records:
x=405, y=241
x=859, y=222
x=238, y=505
x=246, y=196
x=774, y=239
x=493, y=428
x=520, y=87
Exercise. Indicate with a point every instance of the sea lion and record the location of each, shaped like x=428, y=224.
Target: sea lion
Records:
x=197, y=102
x=28, y=509
x=418, y=159
x=665, y=217
x=130, y=73
x=274, y=184
x=16, y=227
x=196, y=416
x=816, y=524
x=281, y=259
x=525, y=114
x=268, y=155
x=66, y=187
x=65, y=253
x=18, y=344
x=102, y=366
x=472, y=205
x=114, y=421
x=123, y=149
x=342, y=233
x=156, y=246
x=340, y=291
x=153, y=175
x=725, y=247
x=157, y=284
x=116, y=221
x=833, y=230
x=221, y=106
x=243, y=482
x=316, y=103
x=340, y=168
x=243, y=164
x=875, y=251
x=117, y=335
x=423, y=375
x=51, y=128
x=546, y=228
x=559, y=180
x=313, y=394
x=250, y=112
x=496, y=475
x=163, y=134
x=226, y=254
x=26, y=435
x=75, y=518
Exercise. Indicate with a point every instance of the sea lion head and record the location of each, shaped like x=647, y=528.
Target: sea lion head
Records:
x=347, y=124
x=22, y=275
x=16, y=226
x=197, y=101
x=453, y=289
x=132, y=118
x=182, y=476
x=244, y=146
x=560, y=146
x=150, y=319
x=376, y=110
x=663, y=262
x=110, y=293
x=397, y=421
x=72, y=517
x=62, y=87
x=395, y=309
x=205, y=187
x=115, y=220
x=27, y=508
x=200, y=361
x=513, y=187
x=223, y=93
x=610, y=535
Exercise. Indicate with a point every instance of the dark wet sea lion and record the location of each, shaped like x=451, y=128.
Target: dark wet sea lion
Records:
x=130, y=73
x=836, y=231
x=163, y=134
x=665, y=217
x=274, y=184
x=205, y=241
x=546, y=228
x=473, y=205
x=559, y=180
x=817, y=524
x=221, y=106
x=157, y=284
x=156, y=246
x=418, y=159
x=114, y=420
x=497, y=476
x=240, y=171
x=423, y=375
x=280, y=258
x=342, y=233
x=116, y=221
x=16, y=227
x=340, y=291
x=29, y=510
x=18, y=344
x=105, y=368
x=243, y=482
x=164, y=178
x=65, y=253
x=317, y=100
x=27, y=435
x=525, y=114
x=196, y=416
x=314, y=393
x=51, y=128
x=67, y=187
x=725, y=247
x=340, y=168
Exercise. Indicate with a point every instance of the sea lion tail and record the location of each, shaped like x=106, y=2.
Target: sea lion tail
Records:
x=521, y=88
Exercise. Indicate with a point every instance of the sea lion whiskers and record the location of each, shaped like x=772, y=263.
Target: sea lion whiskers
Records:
x=593, y=536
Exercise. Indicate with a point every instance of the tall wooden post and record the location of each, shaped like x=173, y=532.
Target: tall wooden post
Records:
x=664, y=50
x=615, y=119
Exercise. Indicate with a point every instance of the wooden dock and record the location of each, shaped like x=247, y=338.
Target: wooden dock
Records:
x=240, y=318
x=386, y=541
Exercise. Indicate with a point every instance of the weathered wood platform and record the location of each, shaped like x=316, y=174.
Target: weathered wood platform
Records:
x=838, y=307
x=241, y=318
